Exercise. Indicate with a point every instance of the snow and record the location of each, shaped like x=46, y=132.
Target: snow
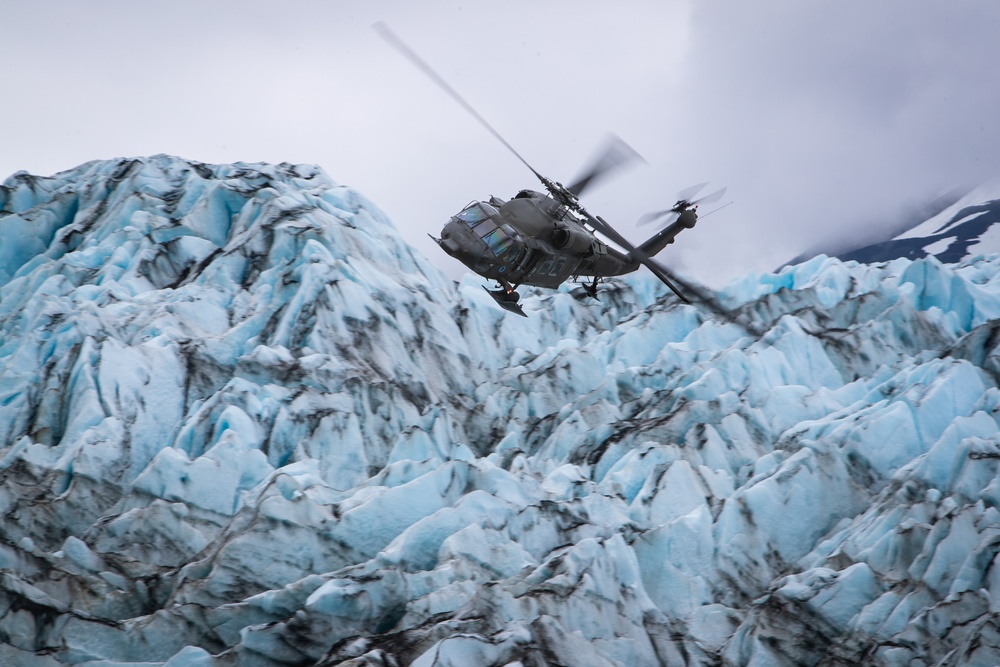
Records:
x=962, y=231
x=988, y=242
x=946, y=220
x=244, y=424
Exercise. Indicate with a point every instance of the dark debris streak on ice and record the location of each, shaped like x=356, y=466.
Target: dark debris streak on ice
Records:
x=242, y=423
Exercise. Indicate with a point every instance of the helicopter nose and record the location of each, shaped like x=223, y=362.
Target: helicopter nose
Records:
x=449, y=246
x=451, y=239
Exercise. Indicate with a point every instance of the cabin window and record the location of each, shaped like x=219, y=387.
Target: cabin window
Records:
x=525, y=258
x=543, y=268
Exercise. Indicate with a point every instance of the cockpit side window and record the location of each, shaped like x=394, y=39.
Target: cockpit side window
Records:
x=476, y=212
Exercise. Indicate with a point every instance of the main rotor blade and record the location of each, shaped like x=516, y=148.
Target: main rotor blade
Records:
x=669, y=279
x=707, y=299
x=388, y=35
x=615, y=154
x=644, y=259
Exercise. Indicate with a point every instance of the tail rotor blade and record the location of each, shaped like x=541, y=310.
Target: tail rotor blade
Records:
x=687, y=193
x=711, y=197
x=683, y=202
x=662, y=216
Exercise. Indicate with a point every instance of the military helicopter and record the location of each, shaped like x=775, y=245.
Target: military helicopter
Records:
x=543, y=239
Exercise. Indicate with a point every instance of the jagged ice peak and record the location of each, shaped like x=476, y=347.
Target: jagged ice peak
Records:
x=243, y=423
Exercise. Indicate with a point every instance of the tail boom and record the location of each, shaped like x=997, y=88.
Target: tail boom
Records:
x=666, y=236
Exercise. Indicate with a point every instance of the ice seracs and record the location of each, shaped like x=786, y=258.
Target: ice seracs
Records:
x=244, y=424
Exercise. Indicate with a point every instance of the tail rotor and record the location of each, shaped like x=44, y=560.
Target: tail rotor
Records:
x=684, y=203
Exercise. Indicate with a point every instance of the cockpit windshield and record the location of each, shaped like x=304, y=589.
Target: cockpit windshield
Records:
x=476, y=212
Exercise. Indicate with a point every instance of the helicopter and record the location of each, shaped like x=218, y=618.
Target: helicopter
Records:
x=543, y=239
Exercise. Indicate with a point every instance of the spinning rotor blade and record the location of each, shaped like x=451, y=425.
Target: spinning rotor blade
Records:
x=647, y=218
x=388, y=35
x=704, y=296
x=682, y=196
x=711, y=197
x=688, y=192
x=644, y=259
x=682, y=203
x=614, y=155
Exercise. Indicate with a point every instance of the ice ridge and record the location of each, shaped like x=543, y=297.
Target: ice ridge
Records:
x=242, y=423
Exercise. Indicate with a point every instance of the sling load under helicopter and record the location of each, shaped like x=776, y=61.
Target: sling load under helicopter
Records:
x=542, y=240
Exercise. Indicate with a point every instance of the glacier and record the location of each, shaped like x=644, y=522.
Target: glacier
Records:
x=244, y=424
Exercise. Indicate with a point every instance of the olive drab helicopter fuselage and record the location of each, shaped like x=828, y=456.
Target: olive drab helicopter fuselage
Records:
x=534, y=239
x=528, y=240
x=544, y=239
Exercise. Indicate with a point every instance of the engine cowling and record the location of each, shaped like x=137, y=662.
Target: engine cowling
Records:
x=572, y=239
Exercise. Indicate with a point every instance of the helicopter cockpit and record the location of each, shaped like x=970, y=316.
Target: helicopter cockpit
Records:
x=478, y=237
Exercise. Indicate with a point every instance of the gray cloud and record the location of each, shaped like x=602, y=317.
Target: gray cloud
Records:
x=833, y=115
x=820, y=117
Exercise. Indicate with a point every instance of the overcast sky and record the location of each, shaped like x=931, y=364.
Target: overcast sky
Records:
x=819, y=116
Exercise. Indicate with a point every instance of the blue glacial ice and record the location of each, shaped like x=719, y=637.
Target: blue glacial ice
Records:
x=242, y=423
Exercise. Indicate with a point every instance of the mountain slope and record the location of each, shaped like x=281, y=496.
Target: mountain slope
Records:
x=967, y=228
x=244, y=424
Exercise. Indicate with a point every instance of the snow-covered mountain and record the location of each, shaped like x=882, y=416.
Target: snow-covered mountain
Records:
x=244, y=424
x=965, y=229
